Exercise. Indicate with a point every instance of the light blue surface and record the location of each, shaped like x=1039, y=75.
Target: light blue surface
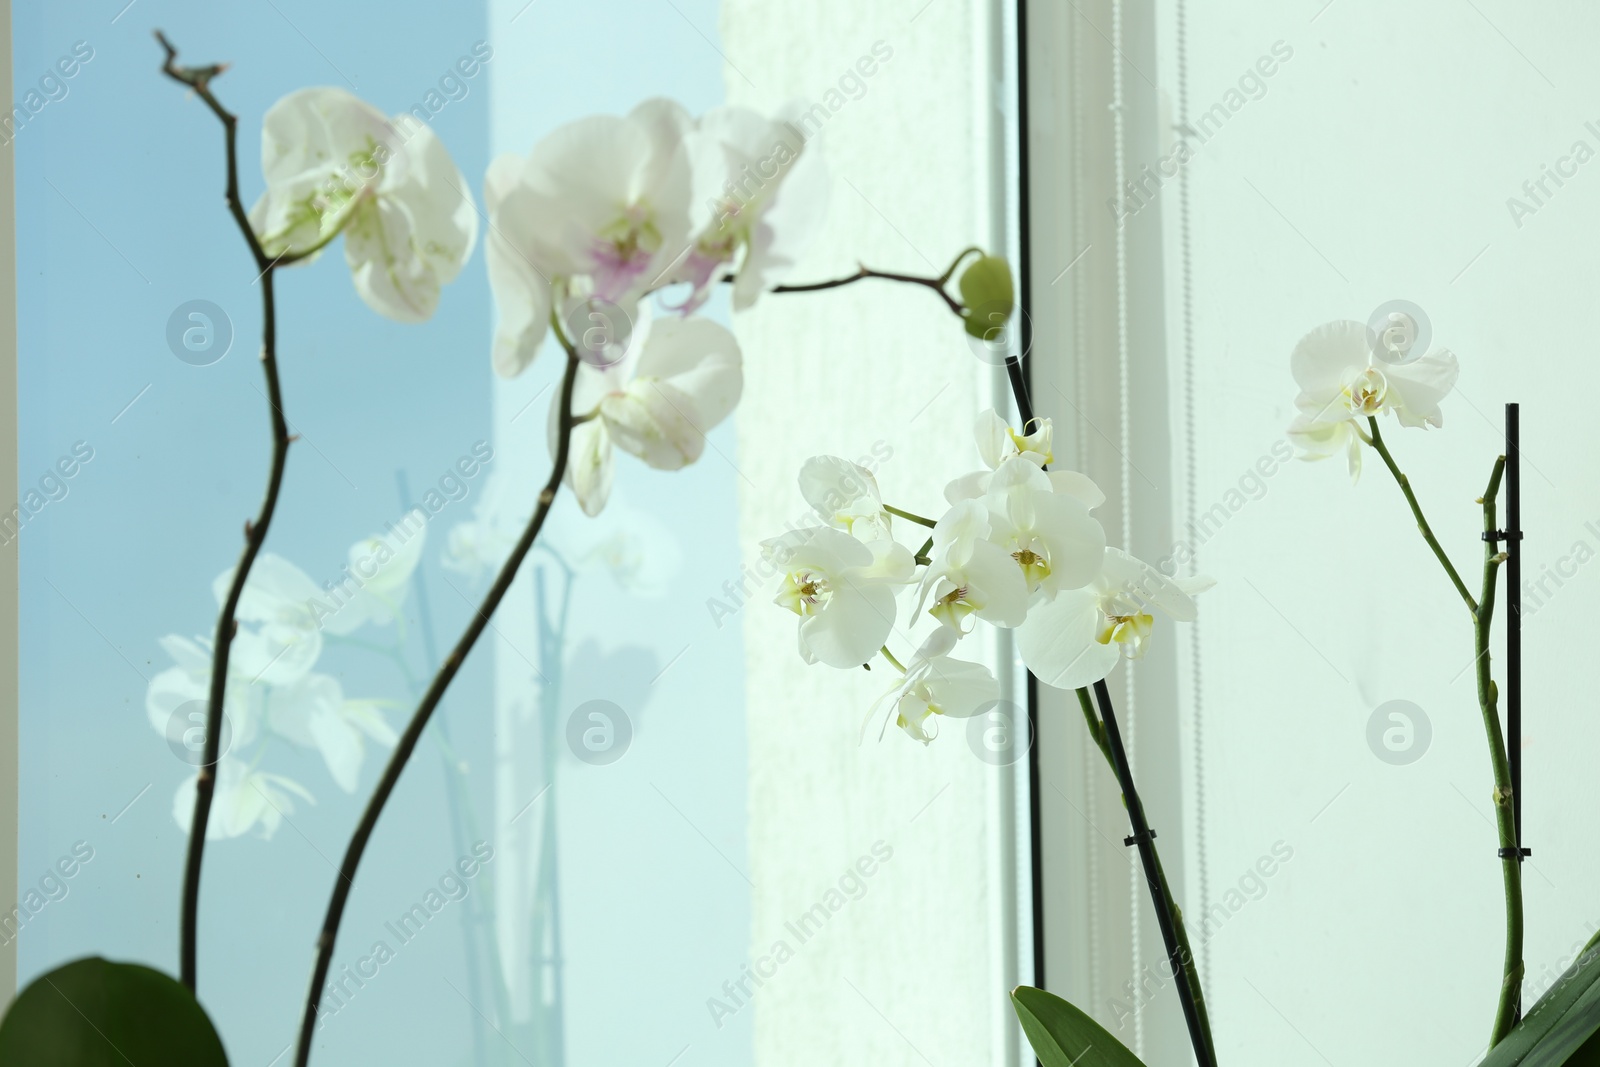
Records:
x=120, y=220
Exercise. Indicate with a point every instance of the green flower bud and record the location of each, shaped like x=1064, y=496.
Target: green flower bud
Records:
x=989, y=295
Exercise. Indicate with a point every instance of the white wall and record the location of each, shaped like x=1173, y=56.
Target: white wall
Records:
x=917, y=968
x=1377, y=165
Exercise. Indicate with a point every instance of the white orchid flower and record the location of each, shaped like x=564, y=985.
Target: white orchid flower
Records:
x=599, y=209
x=379, y=573
x=845, y=496
x=1343, y=381
x=678, y=379
x=842, y=589
x=244, y=799
x=1074, y=639
x=970, y=574
x=189, y=682
x=1050, y=535
x=936, y=685
x=280, y=612
x=998, y=442
x=313, y=713
x=334, y=164
x=758, y=198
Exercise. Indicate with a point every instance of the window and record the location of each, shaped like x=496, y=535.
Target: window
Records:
x=635, y=792
x=1268, y=169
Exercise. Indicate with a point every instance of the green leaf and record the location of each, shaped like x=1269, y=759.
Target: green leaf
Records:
x=1063, y=1036
x=1561, y=1027
x=95, y=1013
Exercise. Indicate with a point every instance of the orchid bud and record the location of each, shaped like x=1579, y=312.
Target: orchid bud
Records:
x=989, y=295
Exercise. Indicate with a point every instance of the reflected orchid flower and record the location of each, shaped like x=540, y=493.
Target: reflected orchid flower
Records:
x=678, y=379
x=334, y=164
x=245, y=799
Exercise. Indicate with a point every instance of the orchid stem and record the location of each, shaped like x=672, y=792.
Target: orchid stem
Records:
x=1165, y=899
x=1488, y=698
x=920, y=520
x=863, y=273
x=1422, y=521
x=896, y=664
x=430, y=701
x=1482, y=611
x=199, y=79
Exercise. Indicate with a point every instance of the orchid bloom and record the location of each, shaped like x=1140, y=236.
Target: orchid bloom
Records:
x=378, y=575
x=936, y=685
x=759, y=196
x=972, y=575
x=1343, y=381
x=313, y=713
x=842, y=589
x=188, y=681
x=1049, y=534
x=1076, y=638
x=845, y=496
x=998, y=442
x=678, y=379
x=334, y=164
x=598, y=211
x=244, y=799
x=284, y=607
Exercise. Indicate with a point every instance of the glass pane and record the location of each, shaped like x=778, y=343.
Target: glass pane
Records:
x=635, y=791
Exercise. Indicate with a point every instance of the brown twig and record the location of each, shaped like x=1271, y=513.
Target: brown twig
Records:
x=199, y=79
x=430, y=701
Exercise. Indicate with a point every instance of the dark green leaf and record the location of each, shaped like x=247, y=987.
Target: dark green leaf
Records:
x=1063, y=1036
x=95, y=1013
x=1560, y=1028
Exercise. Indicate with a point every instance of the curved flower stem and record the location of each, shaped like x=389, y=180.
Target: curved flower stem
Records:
x=1422, y=522
x=863, y=273
x=199, y=79
x=896, y=664
x=430, y=700
x=1191, y=972
x=1505, y=1016
x=1482, y=610
x=920, y=520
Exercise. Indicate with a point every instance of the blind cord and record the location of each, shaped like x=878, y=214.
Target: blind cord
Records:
x=1118, y=112
x=1191, y=490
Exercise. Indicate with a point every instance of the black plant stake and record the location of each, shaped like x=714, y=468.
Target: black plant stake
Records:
x=1513, y=542
x=1142, y=835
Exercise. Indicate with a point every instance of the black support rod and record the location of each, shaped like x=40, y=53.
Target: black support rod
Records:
x=1513, y=550
x=1143, y=837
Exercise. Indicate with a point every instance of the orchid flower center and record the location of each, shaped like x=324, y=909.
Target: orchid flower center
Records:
x=1034, y=562
x=804, y=593
x=1367, y=392
x=624, y=250
x=722, y=240
x=953, y=606
x=1126, y=623
x=1038, y=441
